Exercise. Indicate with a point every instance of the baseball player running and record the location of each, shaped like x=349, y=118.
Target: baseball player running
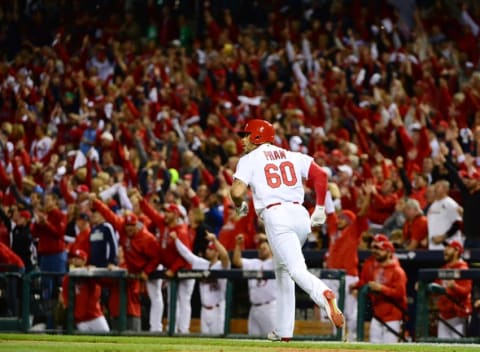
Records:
x=275, y=178
x=212, y=291
x=262, y=292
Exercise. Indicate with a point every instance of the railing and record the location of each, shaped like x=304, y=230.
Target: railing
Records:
x=425, y=287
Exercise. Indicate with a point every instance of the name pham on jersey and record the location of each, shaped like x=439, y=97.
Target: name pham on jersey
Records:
x=275, y=155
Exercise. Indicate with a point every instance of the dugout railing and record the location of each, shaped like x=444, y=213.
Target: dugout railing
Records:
x=426, y=288
x=34, y=283
x=233, y=275
x=10, y=305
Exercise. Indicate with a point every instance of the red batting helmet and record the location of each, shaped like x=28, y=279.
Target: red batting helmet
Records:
x=260, y=131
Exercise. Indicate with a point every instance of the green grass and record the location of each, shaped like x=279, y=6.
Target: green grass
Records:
x=78, y=343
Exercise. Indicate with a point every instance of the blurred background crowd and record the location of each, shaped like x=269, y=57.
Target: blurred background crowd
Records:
x=131, y=108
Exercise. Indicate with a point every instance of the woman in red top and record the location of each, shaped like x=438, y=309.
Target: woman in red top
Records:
x=88, y=314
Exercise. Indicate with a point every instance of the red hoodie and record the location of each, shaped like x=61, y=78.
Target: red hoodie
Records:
x=141, y=251
x=461, y=293
x=394, y=290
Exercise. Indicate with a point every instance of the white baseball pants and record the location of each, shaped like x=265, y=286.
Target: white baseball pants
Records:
x=380, y=334
x=444, y=332
x=261, y=319
x=212, y=319
x=95, y=325
x=154, y=290
x=184, y=306
x=287, y=226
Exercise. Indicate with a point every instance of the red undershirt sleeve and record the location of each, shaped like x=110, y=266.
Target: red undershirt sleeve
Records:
x=320, y=182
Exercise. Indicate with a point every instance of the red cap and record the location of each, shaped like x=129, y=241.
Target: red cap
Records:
x=380, y=237
x=443, y=124
x=173, y=208
x=348, y=215
x=82, y=189
x=25, y=214
x=457, y=245
x=80, y=253
x=384, y=245
x=130, y=219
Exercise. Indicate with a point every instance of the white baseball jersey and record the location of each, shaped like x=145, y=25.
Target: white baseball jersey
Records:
x=260, y=290
x=441, y=215
x=212, y=291
x=281, y=179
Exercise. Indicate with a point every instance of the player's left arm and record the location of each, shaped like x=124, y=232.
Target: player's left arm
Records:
x=320, y=184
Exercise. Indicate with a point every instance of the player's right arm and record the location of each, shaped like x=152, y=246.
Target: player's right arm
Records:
x=238, y=192
x=237, y=251
x=185, y=252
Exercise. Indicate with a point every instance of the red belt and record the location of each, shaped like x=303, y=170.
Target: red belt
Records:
x=211, y=307
x=278, y=203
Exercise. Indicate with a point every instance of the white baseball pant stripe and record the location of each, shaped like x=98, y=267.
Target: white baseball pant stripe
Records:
x=95, y=325
x=287, y=227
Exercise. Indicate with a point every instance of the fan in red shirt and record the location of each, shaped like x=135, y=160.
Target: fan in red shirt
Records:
x=455, y=305
x=88, y=314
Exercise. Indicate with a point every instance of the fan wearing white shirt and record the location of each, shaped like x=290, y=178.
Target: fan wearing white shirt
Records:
x=444, y=218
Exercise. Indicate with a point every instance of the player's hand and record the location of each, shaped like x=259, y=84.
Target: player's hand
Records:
x=319, y=216
x=438, y=239
x=143, y=276
x=242, y=210
x=169, y=273
x=173, y=235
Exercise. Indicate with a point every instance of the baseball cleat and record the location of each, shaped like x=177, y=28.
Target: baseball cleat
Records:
x=333, y=312
x=272, y=336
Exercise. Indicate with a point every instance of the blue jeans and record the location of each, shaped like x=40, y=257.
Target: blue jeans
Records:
x=56, y=263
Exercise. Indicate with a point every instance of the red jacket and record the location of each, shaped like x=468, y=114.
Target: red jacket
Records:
x=461, y=293
x=50, y=234
x=141, y=251
x=170, y=256
x=87, y=299
x=8, y=257
x=394, y=281
x=343, y=247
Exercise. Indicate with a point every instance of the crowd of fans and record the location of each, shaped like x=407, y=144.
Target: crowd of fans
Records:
x=133, y=102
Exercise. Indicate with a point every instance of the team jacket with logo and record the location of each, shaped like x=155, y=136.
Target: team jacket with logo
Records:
x=394, y=292
x=141, y=251
x=458, y=299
